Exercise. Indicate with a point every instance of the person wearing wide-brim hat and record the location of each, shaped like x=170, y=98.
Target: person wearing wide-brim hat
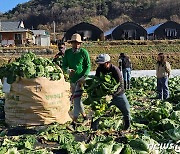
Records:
x=76, y=62
x=119, y=98
x=75, y=38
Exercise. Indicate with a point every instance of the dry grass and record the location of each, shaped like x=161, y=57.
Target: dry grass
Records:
x=142, y=53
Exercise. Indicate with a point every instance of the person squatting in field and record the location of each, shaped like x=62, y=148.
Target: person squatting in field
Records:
x=163, y=70
x=125, y=66
x=119, y=98
x=76, y=62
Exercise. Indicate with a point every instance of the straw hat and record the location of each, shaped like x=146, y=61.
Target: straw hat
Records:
x=75, y=38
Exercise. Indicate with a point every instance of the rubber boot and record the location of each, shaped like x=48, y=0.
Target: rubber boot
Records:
x=72, y=126
x=128, y=84
x=126, y=124
x=125, y=85
x=95, y=124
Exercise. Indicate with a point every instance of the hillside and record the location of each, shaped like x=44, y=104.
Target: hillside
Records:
x=103, y=13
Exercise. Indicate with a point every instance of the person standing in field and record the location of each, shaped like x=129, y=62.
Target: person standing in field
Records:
x=58, y=57
x=125, y=66
x=163, y=70
x=119, y=98
x=76, y=62
x=61, y=48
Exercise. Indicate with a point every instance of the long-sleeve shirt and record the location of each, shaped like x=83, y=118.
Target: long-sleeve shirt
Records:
x=163, y=70
x=116, y=74
x=78, y=61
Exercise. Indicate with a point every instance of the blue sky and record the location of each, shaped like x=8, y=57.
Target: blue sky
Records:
x=6, y=5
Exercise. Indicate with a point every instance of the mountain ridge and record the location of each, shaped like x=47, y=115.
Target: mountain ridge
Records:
x=40, y=14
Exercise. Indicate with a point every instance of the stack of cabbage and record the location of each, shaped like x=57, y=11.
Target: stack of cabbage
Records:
x=29, y=66
x=97, y=88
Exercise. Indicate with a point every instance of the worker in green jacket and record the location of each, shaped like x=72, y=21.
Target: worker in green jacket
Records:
x=76, y=62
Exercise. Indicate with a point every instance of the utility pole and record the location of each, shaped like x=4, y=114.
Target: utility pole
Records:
x=100, y=9
x=0, y=25
x=54, y=28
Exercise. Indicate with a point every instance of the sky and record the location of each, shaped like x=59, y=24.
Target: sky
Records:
x=6, y=5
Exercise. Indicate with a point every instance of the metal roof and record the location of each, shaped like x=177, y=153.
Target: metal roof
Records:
x=109, y=32
x=40, y=32
x=150, y=30
x=11, y=26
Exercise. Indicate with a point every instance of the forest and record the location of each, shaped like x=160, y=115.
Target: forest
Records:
x=41, y=14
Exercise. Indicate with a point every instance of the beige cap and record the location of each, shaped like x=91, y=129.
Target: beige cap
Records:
x=103, y=58
x=75, y=38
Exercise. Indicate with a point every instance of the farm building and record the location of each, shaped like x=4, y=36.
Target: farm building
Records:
x=167, y=30
x=126, y=31
x=41, y=38
x=86, y=30
x=14, y=33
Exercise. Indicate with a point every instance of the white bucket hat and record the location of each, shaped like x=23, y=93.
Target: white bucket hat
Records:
x=75, y=38
x=103, y=58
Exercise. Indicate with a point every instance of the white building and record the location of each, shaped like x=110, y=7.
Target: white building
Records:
x=41, y=38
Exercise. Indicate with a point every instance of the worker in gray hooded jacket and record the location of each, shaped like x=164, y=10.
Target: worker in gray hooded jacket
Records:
x=119, y=98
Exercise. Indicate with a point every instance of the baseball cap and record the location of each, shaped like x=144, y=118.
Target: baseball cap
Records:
x=103, y=58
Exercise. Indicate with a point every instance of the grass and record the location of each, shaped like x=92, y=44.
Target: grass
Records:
x=142, y=53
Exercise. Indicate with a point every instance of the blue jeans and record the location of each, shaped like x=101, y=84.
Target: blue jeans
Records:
x=77, y=91
x=121, y=102
x=162, y=88
x=126, y=74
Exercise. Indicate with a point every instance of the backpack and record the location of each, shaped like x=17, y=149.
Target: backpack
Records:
x=125, y=62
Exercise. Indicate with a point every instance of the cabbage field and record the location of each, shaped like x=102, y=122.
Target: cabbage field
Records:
x=155, y=127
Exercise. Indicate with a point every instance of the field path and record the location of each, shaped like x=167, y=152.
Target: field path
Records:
x=141, y=73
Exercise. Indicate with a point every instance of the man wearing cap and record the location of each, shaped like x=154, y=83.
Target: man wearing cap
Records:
x=76, y=62
x=119, y=98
